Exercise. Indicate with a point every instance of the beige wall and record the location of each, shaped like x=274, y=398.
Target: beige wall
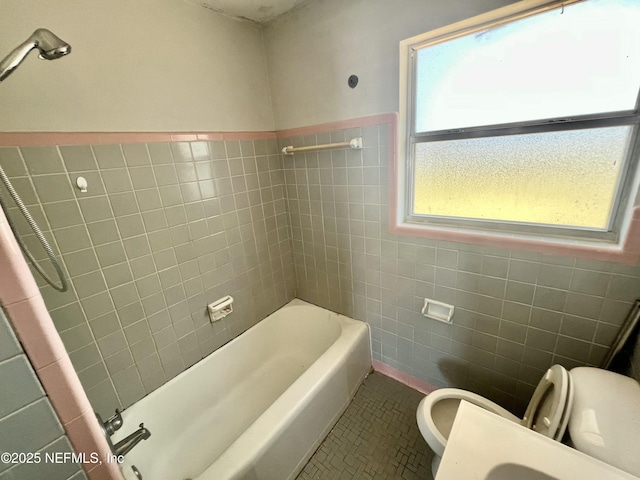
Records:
x=312, y=51
x=142, y=65
x=167, y=65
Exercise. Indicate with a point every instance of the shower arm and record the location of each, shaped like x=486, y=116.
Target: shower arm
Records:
x=15, y=58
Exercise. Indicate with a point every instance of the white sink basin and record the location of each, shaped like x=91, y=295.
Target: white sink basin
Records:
x=485, y=446
x=511, y=471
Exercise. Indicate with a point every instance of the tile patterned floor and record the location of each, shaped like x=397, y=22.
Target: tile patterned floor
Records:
x=376, y=438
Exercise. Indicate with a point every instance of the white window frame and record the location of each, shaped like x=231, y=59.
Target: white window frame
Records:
x=554, y=239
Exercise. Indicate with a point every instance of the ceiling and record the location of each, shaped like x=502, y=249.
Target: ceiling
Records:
x=258, y=11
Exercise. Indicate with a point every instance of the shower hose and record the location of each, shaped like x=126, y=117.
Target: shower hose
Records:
x=34, y=226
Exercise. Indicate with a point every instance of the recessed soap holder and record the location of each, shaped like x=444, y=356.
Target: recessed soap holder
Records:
x=220, y=308
x=438, y=311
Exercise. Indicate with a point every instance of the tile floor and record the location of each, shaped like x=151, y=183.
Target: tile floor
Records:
x=376, y=438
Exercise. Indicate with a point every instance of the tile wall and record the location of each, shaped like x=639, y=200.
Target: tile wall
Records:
x=164, y=229
x=517, y=312
x=28, y=423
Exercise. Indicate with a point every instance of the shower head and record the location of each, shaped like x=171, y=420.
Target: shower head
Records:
x=48, y=44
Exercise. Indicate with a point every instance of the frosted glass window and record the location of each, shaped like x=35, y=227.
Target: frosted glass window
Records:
x=578, y=60
x=527, y=126
x=559, y=178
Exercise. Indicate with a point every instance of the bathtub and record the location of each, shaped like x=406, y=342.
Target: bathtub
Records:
x=256, y=408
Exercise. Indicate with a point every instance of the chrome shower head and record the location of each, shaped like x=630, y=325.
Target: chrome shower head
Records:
x=48, y=44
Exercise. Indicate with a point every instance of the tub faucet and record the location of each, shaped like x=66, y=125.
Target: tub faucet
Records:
x=125, y=445
x=112, y=424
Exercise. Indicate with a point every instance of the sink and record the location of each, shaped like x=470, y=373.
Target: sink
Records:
x=509, y=471
x=483, y=445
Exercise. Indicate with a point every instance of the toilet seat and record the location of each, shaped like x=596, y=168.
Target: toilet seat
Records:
x=550, y=406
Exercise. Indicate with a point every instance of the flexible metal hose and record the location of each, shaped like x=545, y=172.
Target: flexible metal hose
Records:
x=34, y=226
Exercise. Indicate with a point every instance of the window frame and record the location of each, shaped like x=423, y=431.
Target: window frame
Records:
x=429, y=225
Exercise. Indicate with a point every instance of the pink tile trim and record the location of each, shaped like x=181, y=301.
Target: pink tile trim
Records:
x=328, y=127
x=24, y=139
x=30, y=319
x=15, y=277
x=64, y=389
x=400, y=376
x=36, y=332
x=86, y=437
x=210, y=137
x=627, y=252
x=106, y=471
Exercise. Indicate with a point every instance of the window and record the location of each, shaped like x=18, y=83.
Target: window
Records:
x=523, y=121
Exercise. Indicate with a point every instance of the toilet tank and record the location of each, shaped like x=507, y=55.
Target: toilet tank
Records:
x=605, y=417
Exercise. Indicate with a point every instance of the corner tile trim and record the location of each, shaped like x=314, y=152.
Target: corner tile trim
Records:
x=408, y=380
x=35, y=329
x=40, y=139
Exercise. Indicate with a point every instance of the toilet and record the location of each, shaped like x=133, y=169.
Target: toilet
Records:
x=600, y=409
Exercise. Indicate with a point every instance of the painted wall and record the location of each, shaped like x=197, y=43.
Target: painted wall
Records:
x=147, y=65
x=312, y=50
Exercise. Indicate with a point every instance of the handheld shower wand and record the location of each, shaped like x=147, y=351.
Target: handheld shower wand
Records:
x=49, y=45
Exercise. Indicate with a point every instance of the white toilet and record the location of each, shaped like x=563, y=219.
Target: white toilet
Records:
x=601, y=408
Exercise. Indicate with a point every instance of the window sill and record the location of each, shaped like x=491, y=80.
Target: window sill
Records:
x=627, y=250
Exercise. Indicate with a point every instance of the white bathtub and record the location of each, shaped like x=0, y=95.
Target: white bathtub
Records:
x=258, y=407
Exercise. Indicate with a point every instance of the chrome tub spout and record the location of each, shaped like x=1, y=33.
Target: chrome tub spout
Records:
x=125, y=445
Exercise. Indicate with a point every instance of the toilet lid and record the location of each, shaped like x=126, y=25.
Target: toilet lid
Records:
x=549, y=408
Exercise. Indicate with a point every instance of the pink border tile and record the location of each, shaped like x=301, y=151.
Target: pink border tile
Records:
x=15, y=277
x=64, y=389
x=400, y=376
x=36, y=331
x=106, y=471
x=86, y=437
x=628, y=252
x=23, y=139
x=211, y=137
x=32, y=323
